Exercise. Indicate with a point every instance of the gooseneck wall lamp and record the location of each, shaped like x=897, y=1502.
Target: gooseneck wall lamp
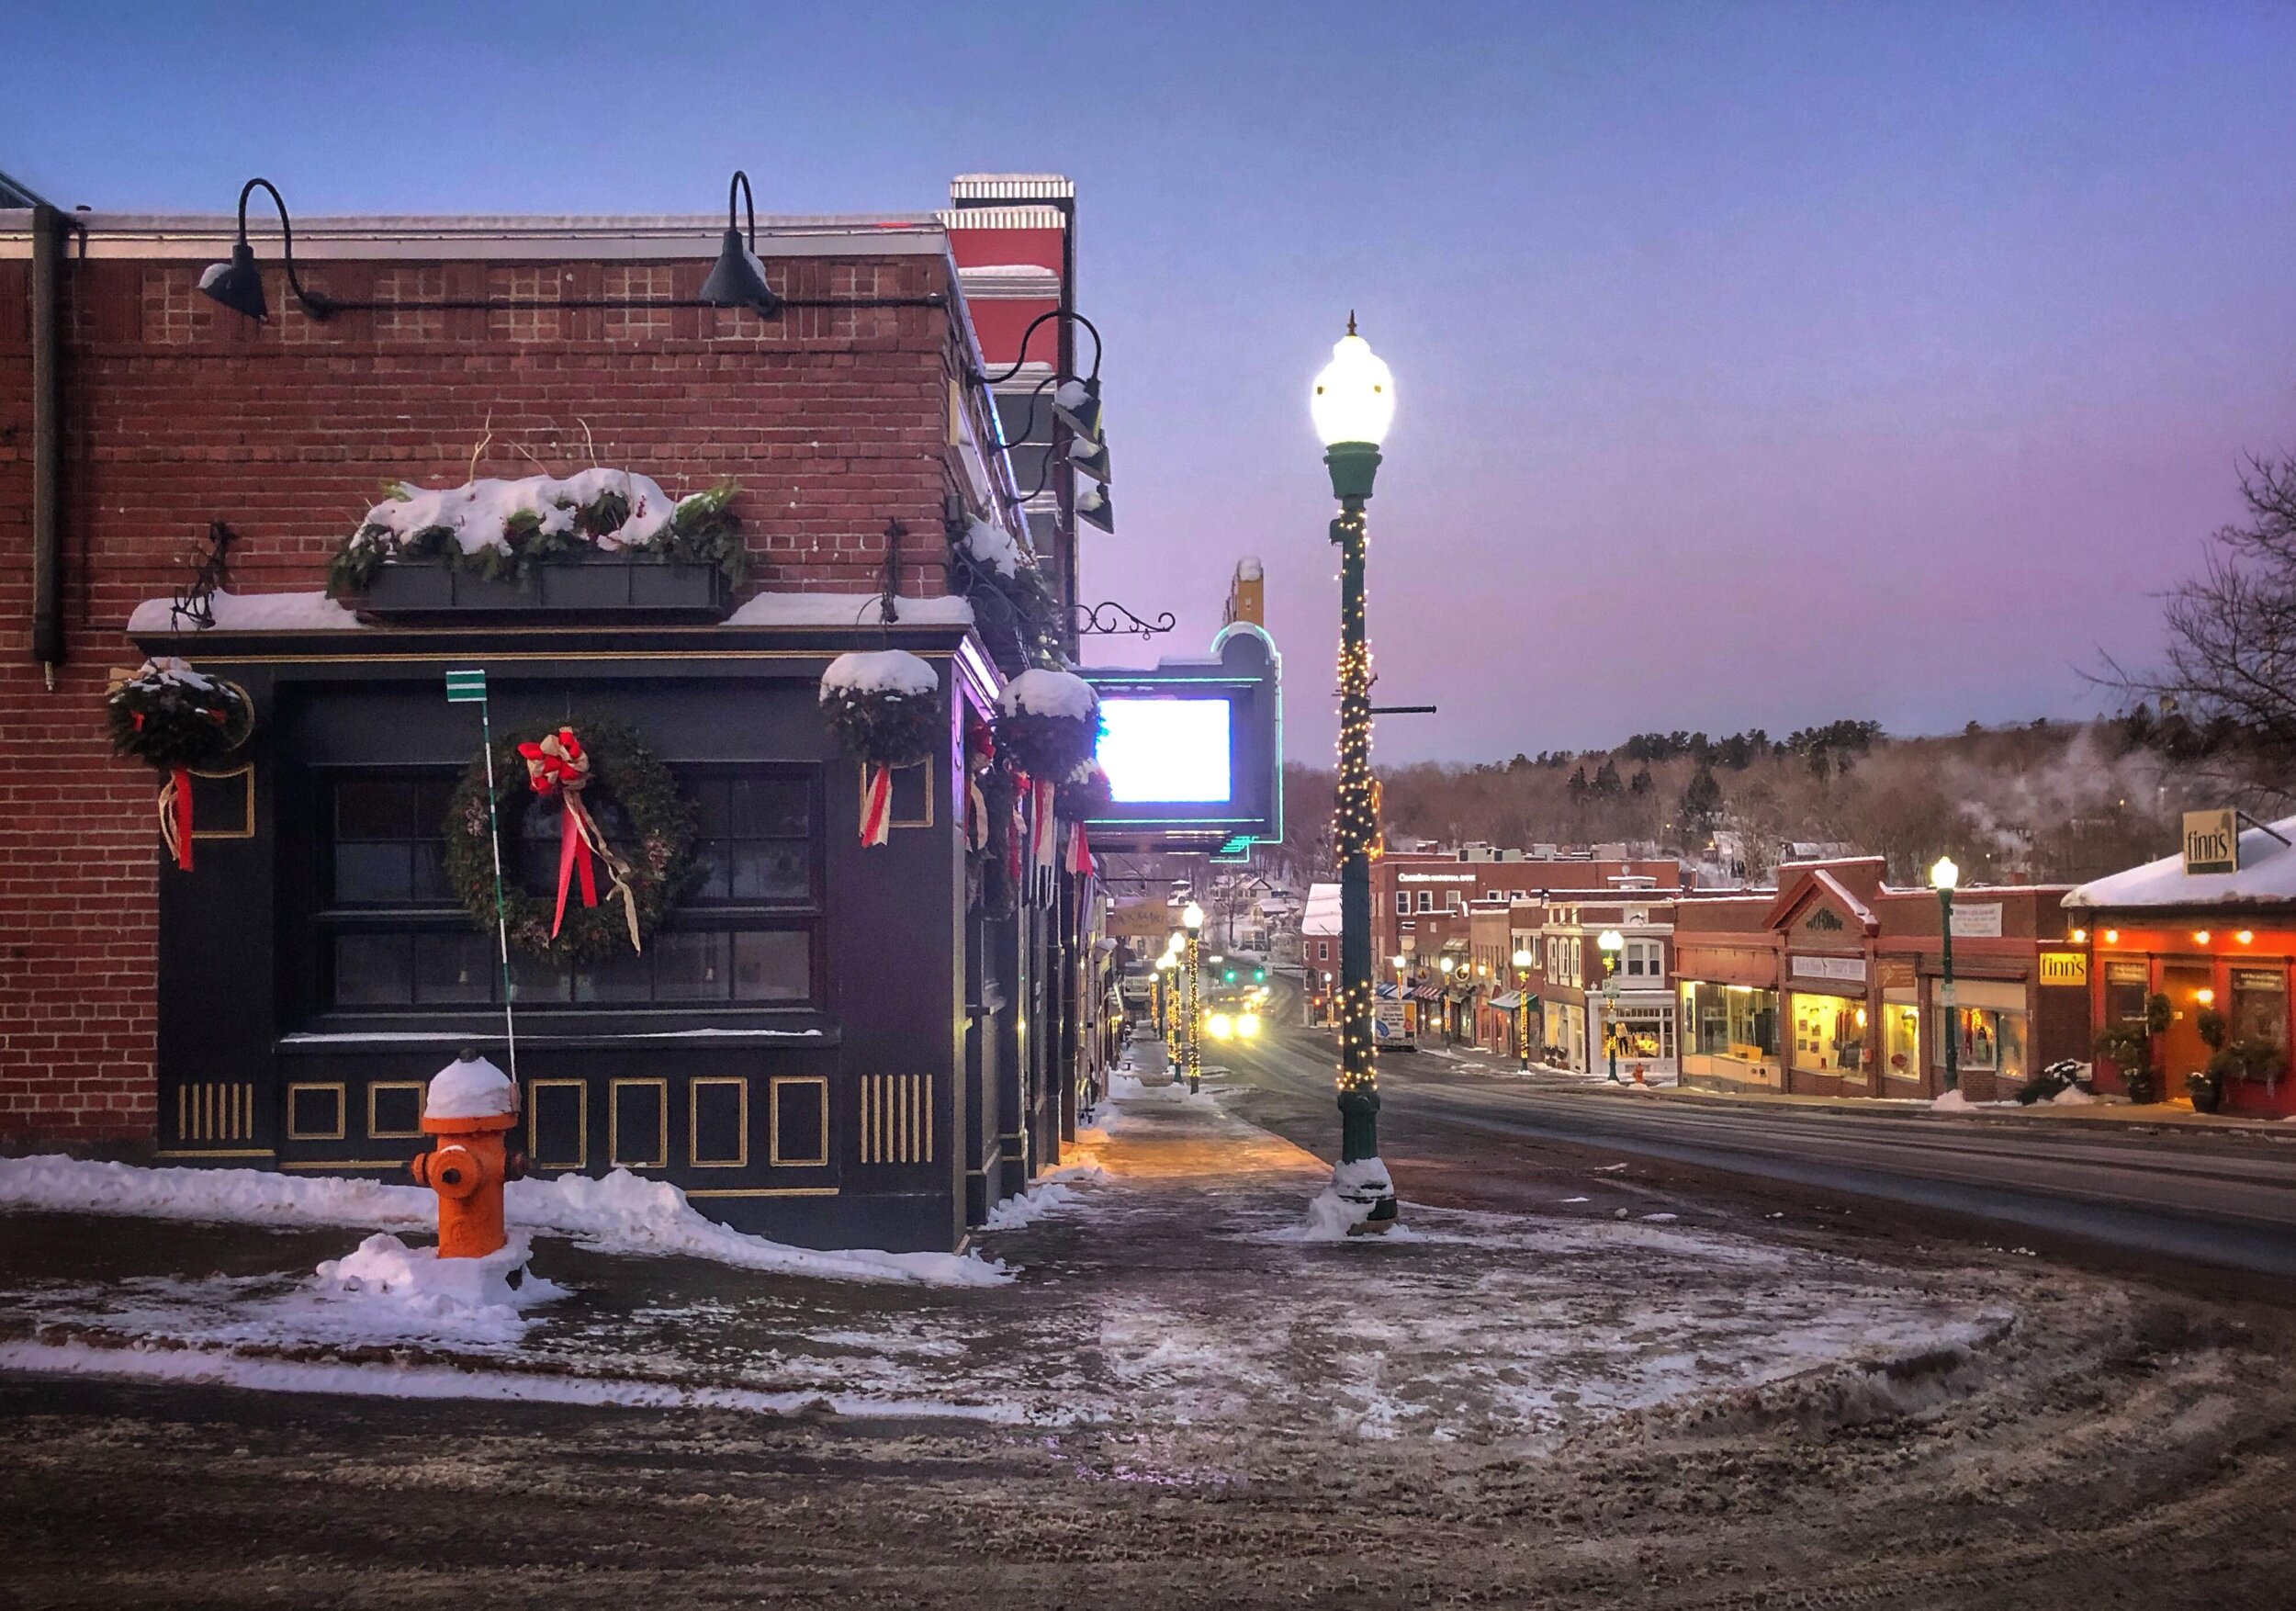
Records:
x=735, y=280
x=738, y=278
x=238, y=285
x=1076, y=410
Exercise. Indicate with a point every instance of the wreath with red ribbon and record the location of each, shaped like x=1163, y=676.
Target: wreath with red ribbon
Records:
x=611, y=889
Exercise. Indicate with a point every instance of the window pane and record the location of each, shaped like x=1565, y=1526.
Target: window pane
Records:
x=373, y=808
x=430, y=872
x=690, y=967
x=712, y=872
x=430, y=795
x=770, y=806
x=532, y=847
x=623, y=975
x=709, y=800
x=373, y=970
x=373, y=873
x=773, y=871
x=773, y=964
x=538, y=979
x=454, y=967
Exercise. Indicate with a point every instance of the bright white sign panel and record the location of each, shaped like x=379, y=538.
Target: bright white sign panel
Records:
x=1166, y=751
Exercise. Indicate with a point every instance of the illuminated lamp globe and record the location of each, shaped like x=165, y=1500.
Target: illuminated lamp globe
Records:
x=1944, y=874
x=1192, y=919
x=1611, y=940
x=1523, y=958
x=1353, y=399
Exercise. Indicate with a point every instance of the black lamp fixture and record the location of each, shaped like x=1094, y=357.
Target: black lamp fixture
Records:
x=738, y=278
x=238, y=285
x=1094, y=509
x=1090, y=458
x=1076, y=404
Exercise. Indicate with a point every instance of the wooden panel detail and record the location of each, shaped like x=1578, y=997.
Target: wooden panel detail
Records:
x=215, y=1110
x=896, y=1118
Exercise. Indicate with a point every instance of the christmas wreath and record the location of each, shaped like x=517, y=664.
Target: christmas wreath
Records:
x=590, y=769
x=1048, y=724
x=1083, y=794
x=883, y=706
x=173, y=717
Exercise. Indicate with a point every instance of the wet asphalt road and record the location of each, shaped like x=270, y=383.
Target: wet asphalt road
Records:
x=2219, y=1196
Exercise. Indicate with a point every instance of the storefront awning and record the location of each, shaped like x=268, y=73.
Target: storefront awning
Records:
x=1507, y=1000
x=1427, y=993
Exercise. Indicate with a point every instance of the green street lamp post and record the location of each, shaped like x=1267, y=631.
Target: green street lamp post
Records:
x=1942, y=878
x=1192, y=920
x=1353, y=404
x=1610, y=942
x=1523, y=1005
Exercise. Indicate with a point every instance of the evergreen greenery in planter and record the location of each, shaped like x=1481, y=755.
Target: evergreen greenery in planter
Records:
x=503, y=530
x=2129, y=1048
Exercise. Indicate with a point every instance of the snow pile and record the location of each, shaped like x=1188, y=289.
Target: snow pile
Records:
x=847, y=609
x=992, y=545
x=1050, y=694
x=885, y=670
x=620, y=1213
x=386, y=1274
x=1335, y=1211
x=247, y=613
x=1025, y=1207
x=477, y=514
x=49, y=1182
x=470, y=1088
x=2073, y=1096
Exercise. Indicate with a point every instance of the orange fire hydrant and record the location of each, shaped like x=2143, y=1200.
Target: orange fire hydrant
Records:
x=471, y=1109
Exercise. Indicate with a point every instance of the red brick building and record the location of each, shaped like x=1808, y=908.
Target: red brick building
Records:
x=461, y=348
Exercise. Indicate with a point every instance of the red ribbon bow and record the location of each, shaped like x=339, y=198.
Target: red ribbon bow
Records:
x=557, y=766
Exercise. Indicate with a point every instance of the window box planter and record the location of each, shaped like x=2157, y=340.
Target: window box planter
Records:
x=615, y=586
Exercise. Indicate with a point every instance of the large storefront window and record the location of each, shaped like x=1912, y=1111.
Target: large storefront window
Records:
x=743, y=934
x=2259, y=1006
x=2127, y=987
x=1989, y=1020
x=1645, y=1033
x=1829, y=1034
x=1730, y=1020
x=1901, y=1034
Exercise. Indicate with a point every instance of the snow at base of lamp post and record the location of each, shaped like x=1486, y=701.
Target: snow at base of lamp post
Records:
x=1356, y=1187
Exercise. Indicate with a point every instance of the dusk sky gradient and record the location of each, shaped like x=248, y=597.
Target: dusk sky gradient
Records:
x=1756, y=364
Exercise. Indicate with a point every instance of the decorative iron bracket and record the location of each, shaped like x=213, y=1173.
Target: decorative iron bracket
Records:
x=1111, y=619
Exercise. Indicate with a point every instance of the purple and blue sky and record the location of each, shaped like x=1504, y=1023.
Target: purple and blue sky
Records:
x=1758, y=364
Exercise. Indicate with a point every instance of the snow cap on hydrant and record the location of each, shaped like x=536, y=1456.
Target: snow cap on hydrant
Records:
x=470, y=1106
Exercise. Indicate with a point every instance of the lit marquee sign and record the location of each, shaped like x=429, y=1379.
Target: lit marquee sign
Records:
x=1174, y=750
x=1194, y=748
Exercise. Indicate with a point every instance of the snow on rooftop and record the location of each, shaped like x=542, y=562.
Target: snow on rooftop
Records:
x=247, y=613
x=1321, y=916
x=885, y=670
x=847, y=609
x=2268, y=872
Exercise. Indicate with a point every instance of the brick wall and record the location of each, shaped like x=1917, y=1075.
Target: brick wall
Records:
x=179, y=412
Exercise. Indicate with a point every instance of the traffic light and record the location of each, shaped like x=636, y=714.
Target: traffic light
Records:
x=1229, y=977
x=1259, y=975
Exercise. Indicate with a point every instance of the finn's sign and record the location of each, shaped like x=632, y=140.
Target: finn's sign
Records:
x=2212, y=841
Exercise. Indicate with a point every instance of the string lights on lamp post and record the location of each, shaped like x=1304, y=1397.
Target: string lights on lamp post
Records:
x=1522, y=1004
x=1610, y=942
x=1192, y=920
x=1353, y=404
x=1944, y=877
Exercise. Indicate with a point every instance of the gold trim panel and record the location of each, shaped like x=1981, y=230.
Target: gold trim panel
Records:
x=694, y=1160
x=422, y=1089
x=896, y=1118
x=216, y=1110
x=342, y=1109
x=248, y=773
x=614, y=1160
x=580, y=1087
x=773, y=1121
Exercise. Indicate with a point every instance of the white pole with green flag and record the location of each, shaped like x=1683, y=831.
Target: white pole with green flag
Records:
x=470, y=688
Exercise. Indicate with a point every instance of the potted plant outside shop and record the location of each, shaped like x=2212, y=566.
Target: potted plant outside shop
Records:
x=2129, y=1048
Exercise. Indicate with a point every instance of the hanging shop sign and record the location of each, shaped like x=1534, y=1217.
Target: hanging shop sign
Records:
x=2211, y=843
x=1193, y=749
x=1978, y=921
x=2063, y=967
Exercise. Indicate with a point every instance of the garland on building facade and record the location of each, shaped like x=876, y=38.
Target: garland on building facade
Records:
x=580, y=768
x=503, y=529
x=170, y=717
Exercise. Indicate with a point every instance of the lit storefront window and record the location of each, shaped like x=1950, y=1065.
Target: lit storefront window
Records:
x=1730, y=1020
x=1829, y=1034
x=2259, y=1006
x=2126, y=987
x=1991, y=1022
x=1901, y=1034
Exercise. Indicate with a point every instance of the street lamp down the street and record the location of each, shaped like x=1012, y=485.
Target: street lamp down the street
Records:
x=1944, y=876
x=1610, y=942
x=1523, y=1002
x=1192, y=921
x=1353, y=404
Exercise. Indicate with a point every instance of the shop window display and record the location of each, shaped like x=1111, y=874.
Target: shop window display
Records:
x=1992, y=1041
x=1829, y=1034
x=2260, y=1007
x=1730, y=1020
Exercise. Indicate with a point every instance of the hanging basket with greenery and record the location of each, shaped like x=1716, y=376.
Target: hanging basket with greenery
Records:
x=883, y=708
x=181, y=721
x=1048, y=724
